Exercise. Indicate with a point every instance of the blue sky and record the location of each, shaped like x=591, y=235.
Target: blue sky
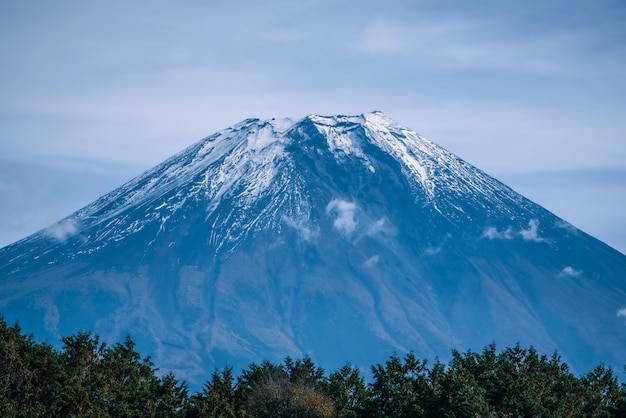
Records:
x=94, y=93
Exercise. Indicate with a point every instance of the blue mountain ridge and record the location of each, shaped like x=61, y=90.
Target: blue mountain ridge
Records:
x=344, y=238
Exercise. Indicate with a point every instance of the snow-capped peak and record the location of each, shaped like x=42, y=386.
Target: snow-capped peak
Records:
x=317, y=236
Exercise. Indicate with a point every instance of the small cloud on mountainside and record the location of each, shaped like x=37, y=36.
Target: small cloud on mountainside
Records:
x=62, y=230
x=565, y=225
x=529, y=234
x=305, y=232
x=570, y=271
x=493, y=233
x=377, y=226
x=622, y=313
x=436, y=249
x=51, y=314
x=372, y=261
x=350, y=221
x=344, y=213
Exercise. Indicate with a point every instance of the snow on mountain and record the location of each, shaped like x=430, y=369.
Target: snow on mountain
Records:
x=345, y=238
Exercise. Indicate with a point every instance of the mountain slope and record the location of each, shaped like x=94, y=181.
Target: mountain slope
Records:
x=342, y=238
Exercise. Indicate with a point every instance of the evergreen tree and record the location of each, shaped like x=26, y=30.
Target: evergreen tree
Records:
x=603, y=397
x=400, y=388
x=217, y=399
x=347, y=390
x=81, y=358
x=88, y=378
x=459, y=391
x=128, y=382
x=289, y=390
x=31, y=377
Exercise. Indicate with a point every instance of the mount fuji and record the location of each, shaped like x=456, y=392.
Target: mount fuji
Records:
x=344, y=238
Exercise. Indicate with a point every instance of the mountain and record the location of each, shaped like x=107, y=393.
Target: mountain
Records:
x=344, y=238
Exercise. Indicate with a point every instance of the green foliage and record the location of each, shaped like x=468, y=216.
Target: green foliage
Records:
x=459, y=394
x=289, y=390
x=31, y=377
x=346, y=388
x=217, y=399
x=400, y=388
x=85, y=379
x=602, y=394
x=89, y=379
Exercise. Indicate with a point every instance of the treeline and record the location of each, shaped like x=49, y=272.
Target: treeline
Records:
x=87, y=378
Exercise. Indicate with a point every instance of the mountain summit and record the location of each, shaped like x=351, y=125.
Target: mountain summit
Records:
x=344, y=238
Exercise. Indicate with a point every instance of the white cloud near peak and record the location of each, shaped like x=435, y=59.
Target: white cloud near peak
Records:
x=532, y=233
x=62, y=230
x=493, y=233
x=344, y=215
x=372, y=261
x=377, y=226
x=569, y=271
x=307, y=233
x=529, y=234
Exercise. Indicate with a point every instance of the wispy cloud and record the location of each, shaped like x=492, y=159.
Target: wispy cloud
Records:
x=565, y=225
x=529, y=234
x=468, y=43
x=62, y=230
x=622, y=313
x=492, y=233
x=433, y=250
x=436, y=249
x=380, y=225
x=372, y=261
x=51, y=314
x=344, y=215
x=532, y=233
x=305, y=231
x=569, y=271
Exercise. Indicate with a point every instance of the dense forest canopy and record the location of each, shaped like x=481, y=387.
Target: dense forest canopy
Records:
x=88, y=378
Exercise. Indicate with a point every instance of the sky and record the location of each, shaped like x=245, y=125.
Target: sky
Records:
x=94, y=93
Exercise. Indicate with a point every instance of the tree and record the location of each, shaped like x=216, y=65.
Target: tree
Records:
x=88, y=378
x=31, y=377
x=171, y=396
x=217, y=399
x=128, y=383
x=347, y=390
x=289, y=390
x=603, y=397
x=459, y=393
x=400, y=388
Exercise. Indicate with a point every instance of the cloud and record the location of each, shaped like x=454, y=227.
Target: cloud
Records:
x=383, y=37
x=467, y=43
x=305, y=232
x=372, y=261
x=51, y=314
x=350, y=221
x=529, y=234
x=493, y=233
x=565, y=225
x=570, y=271
x=436, y=249
x=377, y=226
x=433, y=250
x=344, y=213
x=60, y=231
x=622, y=313
x=532, y=234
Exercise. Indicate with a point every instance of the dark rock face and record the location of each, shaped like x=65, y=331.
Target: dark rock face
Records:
x=341, y=238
